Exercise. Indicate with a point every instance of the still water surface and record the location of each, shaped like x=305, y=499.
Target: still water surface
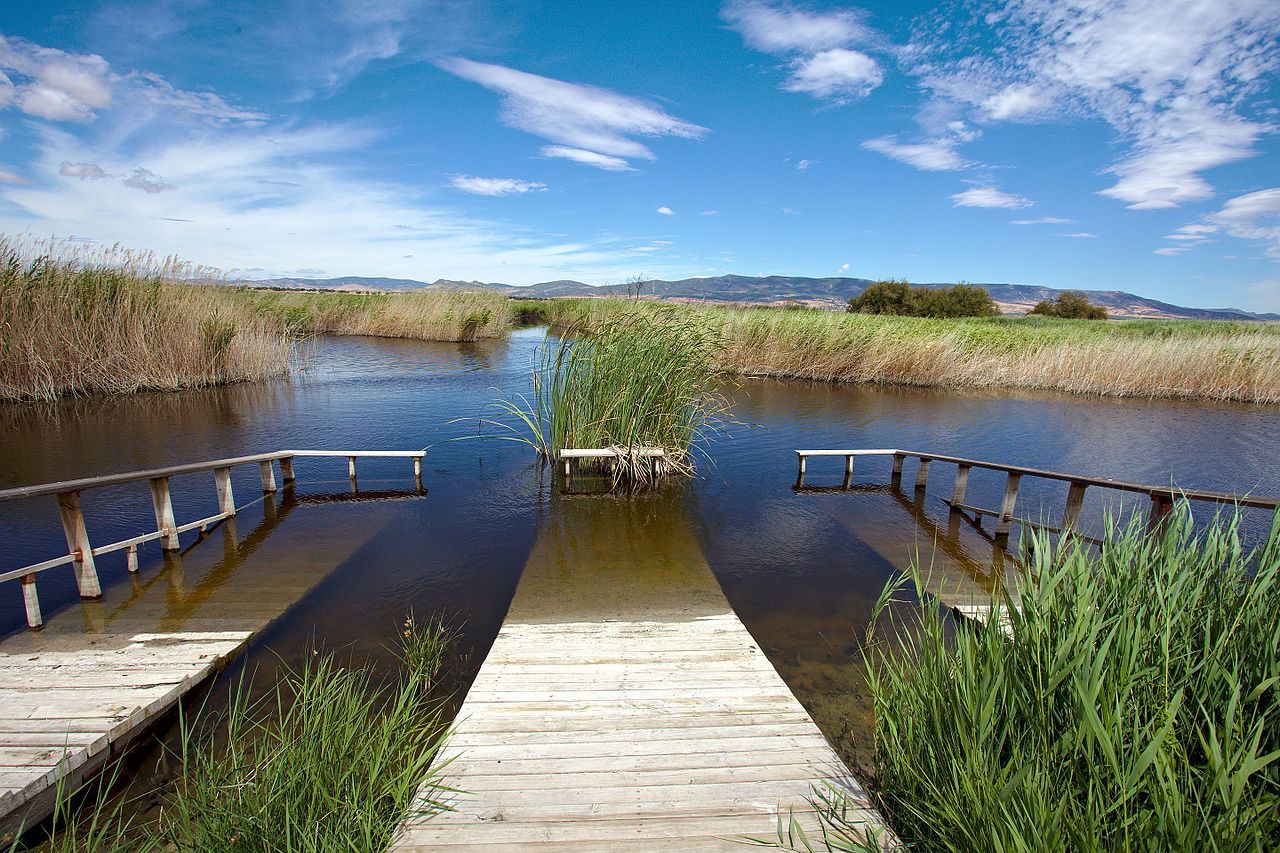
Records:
x=802, y=569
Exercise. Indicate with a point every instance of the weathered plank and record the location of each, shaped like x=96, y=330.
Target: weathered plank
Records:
x=624, y=706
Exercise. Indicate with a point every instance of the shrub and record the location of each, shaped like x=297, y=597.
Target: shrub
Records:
x=900, y=298
x=1070, y=305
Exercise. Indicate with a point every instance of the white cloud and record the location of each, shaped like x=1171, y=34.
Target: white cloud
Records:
x=819, y=45
x=666, y=211
x=710, y=213
x=1171, y=250
x=843, y=268
x=804, y=164
x=573, y=115
x=1080, y=235
x=588, y=158
x=837, y=74
x=783, y=28
x=1043, y=220
x=147, y=181
x=989, y=197
x=495, y=186
x=1254, y=216
x=1173, y=78
x=83, y=171
x=7, y=177
x=938, y=155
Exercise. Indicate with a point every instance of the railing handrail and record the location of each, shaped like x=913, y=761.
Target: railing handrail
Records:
x=1082, y=479
x=189, y=468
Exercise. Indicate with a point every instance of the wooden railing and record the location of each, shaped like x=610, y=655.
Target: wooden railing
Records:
x=81, y=553
x=1162, y=497
x=613, y=454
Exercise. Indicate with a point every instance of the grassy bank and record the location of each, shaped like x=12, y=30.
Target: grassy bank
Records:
x=111, y=321
x=1136, y=358
x=1134, y=702
x=638, y=380
x=426, y=315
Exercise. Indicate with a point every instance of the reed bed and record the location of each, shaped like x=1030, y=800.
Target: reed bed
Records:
x=1223, y=361
x=632, y=381
x=327, y=761
x=114, y=321
x=428, y=315
x=1130, y=700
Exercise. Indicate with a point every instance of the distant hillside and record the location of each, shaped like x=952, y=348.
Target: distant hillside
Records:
x=817, y=292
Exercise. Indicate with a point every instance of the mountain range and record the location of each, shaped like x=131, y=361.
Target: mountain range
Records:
x=767, y=290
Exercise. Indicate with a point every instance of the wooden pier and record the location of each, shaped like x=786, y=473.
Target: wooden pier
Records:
x=624, y=706
x=76, y=689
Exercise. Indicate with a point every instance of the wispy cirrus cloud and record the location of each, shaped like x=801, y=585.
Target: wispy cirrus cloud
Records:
x=587, y=158
x=1043, y=220
x=988, y=196
x=818, y=46
x=495, y=186
x=1173, y=78
x=1253, y=216
x=576, y=117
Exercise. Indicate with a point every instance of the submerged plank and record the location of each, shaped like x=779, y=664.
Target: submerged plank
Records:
x=624, y=705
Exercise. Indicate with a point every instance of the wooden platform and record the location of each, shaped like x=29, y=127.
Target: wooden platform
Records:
x=624, y=706
x=74, y=694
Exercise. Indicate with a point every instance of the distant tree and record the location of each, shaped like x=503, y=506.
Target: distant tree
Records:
x=899, y=297
x=635, y=285
x=1070, y=305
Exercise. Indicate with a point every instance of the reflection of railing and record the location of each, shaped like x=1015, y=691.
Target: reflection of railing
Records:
x=1162, y=497
x=82, y=554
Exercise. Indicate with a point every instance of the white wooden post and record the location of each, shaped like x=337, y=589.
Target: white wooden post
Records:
x=848, y=466
x=897, y=467
x=131, y=558
x=268, y=477
x=1007, y=505
x=78, y=543
x=962, y=485
x=351, y=467
x=226, y=498
x=804, y=464
x=922, y=475
x=417, y=468
x=286, y=469
x=29, y=597
x=163, y=505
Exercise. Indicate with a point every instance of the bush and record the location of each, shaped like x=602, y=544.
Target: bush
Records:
x=900, y=298
x=1070, y=305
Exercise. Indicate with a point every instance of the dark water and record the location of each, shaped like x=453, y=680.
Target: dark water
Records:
x=802, y=570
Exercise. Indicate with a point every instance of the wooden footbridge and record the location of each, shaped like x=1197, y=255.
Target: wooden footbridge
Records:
x=624, y=706
x=75, y=689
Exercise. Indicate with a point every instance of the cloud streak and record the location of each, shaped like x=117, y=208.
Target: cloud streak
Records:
x=576, y=117
x=495, y=186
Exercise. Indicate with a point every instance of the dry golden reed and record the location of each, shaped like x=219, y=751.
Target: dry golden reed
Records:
x=429, y=315
x=108, y=320
x=1227, y=361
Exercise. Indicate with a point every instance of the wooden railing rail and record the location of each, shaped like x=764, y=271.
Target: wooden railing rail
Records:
x=657, y=454
x=81, y=553
x=1162, y=497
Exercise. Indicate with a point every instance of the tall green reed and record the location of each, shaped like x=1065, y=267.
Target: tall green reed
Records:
x=1130, y=699
x=644, y=379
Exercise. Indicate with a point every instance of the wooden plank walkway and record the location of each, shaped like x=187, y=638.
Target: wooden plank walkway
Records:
x=74, y=694
x=624, y=706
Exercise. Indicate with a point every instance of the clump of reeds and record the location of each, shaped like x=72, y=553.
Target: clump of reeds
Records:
x=1138, y=358
x=634, y=381
x=1130, y=699
x=328, y=761
x=79, y=321
x=429, y=315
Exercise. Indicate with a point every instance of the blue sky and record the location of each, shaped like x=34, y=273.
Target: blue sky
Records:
x=1101, y=145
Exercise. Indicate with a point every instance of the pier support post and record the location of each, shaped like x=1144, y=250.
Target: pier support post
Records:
x=897, y=468
x=78, y=543
x=131, y=559
x=32, y=601
x=268, y=474
x=1161, y=506
x=1075, y=500
x=351, y=467
x=1007, y=505
x=417, y=470
x=286, y=469
x=163, y=505
x=922, y=475
x=962, y=485
x=226, y=499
